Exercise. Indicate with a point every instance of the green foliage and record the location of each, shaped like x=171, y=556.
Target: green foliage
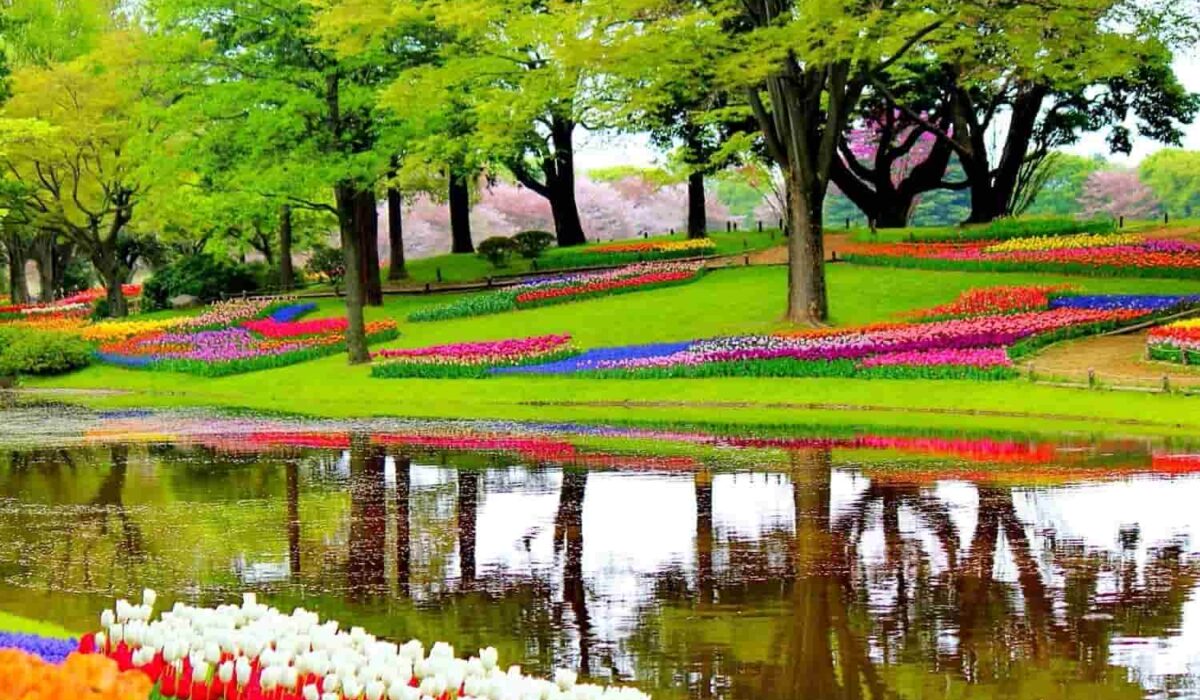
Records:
x=203, y=276
x=41, y=353
x=1059, y=195
x=497, y=250
x=531, y=244
x=1174, y=177
x=327, y=263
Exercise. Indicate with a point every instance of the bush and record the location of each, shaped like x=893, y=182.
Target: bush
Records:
x=42, y=354
x=327, y=263
x=202, y=276
x=531, y=244
x=498, y=250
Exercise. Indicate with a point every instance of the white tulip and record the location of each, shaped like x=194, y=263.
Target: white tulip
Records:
x=249, y=600
x=331, y=696
x=331, y=683
x=490, y=658
x=351, y=688
x=374, y=690
x=565, y=679
x=200, y=671
x=117, y=631
x=107, y=619
x=212, y=653
x=225, y=672
x=243, y=671
x=311, y=693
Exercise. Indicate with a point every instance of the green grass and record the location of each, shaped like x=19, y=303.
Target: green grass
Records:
x=466, y=267
x=24, y=625
x=734, y=301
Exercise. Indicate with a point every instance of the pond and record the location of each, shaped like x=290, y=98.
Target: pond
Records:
x=690, y=561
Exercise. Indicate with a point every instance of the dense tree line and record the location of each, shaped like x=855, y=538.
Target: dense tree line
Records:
x=133, y=129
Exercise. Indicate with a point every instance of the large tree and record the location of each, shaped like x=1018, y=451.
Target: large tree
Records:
x=1174, y=176
x=1032, y=79
x=78, y=175
x=286, y=116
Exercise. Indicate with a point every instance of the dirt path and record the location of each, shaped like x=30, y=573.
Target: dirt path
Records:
x=778, y=255
x=1118, y=360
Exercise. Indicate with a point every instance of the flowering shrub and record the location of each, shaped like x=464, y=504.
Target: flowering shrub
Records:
x=472, y=359
x=559, y=289
x=1175, y=342
x=1111, y=255
x=253, y=651
x=28, y=677
x=691, y=246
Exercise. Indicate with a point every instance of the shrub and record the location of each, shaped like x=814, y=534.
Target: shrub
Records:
x=531, y=244
x=202, y=276
x=497, y=250
x=43, y=354
x=327, y=263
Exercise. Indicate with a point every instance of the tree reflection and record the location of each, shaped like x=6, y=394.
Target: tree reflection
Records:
x=292, y=476
x=403, y=523
x=468, y=513
x=365, y=573
x=568, y=539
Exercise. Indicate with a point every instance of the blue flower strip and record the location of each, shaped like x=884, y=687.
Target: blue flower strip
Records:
x=1136, y=302
x=51, y=650
x=291, y=312
x=588, y=360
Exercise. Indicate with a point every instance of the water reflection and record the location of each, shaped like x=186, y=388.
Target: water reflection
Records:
x=814, y=568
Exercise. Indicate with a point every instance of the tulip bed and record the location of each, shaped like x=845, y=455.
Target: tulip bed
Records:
x=1114, y=255
x=1175, y=342
x=75, y=308
x=255, y=652
x=26, y=676
x=562, y=289
x=977, y=337
x=238, y=336
x=471, y=359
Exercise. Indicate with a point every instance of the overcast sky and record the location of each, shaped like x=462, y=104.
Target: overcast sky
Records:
x=599, y=150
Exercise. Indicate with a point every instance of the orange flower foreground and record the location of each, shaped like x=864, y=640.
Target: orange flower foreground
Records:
x=81, y=677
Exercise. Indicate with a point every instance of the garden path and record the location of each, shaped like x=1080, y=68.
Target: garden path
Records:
x=1118, y=360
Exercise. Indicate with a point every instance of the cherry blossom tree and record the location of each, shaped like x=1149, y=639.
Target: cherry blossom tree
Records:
x=1118, y=193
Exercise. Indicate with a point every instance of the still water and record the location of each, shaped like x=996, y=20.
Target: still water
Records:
x=690, y=562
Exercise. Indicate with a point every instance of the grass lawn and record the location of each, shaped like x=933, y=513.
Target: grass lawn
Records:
x=738, y=300
x=469, y=267
x=22, y=625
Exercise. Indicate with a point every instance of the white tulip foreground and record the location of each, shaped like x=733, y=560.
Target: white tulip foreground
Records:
x=255, y=652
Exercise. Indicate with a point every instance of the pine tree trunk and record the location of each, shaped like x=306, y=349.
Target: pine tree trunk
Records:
x=568, y=228
x=367, y=222
x=460, y=215
x=395, y=207
x=287, y=276
x=807, y=299
x=697, y=221
x=356, y=341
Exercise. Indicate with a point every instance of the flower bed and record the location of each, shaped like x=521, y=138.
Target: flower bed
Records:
x=976, y=337
x=1175, y=342
x=471, y=359
x=230, y=350
x=48, y=649
x=254, y=651
x=75, y=306
x=1113, y=255
x=692, y=246
x=561, y=289
x=26, y=676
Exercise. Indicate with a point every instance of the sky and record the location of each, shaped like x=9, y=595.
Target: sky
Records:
x=596, y=150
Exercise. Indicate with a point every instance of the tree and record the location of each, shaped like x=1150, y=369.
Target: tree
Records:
x=1118, y=193
x=1065, y=175
x=1174, y=177
x=1046, y=77
x=282, y=114
x=78, y=176
x=802, y=66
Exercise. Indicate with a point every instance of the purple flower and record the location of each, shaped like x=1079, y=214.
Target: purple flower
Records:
x=51, y=650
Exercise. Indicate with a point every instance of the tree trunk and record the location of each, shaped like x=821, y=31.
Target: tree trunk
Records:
x=347, y=204
x=368, y=226
x=18, y=288
x=287, y=276
x=460, y=215
x=567, y=226
x=697, y=221
x=807, y=300
x=43, y=252
x=112, y=279
x=395, y=208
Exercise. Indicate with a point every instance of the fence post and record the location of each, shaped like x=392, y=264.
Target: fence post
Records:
x=672, y=232
x=760, y=225
x=439, y=275
x=1166, y=384
x=847, y=222
x=1121, y=222
x=1091, y=378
